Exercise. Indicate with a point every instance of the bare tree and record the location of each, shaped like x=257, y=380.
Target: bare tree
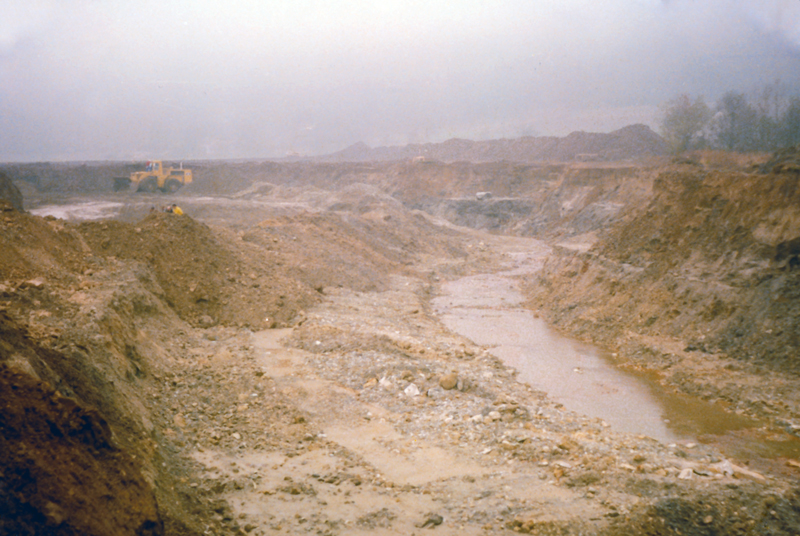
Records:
x=770, y=104
x=789, y=129
x=683, y=123
x=772, y=101
x=735, y=123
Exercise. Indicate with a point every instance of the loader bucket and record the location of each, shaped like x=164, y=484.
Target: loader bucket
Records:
x=122, y=184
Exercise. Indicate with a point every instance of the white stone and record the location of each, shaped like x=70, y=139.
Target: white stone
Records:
x=412, y=390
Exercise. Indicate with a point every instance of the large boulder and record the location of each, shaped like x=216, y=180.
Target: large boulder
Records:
x=10, y=192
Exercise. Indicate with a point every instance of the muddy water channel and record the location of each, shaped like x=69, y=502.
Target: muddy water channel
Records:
x=488, y=310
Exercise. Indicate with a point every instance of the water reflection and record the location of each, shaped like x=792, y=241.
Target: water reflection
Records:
x=486, y=309
x=90, y=210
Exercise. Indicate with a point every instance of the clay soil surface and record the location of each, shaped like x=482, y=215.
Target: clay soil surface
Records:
x=270, y=363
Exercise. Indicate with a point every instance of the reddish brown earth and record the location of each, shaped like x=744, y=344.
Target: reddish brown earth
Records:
x=60, y=463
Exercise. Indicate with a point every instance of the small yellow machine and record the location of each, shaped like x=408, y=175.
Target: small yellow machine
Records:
x=155, y=178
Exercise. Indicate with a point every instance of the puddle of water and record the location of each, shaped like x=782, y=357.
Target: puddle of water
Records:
x=92, y=210
x=486, y=309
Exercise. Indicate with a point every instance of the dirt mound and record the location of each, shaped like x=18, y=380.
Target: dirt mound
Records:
x=9, y=192
x=35, y=248
x=60, y=461
x=634, y=141
x=266, y=274
x=201, y=279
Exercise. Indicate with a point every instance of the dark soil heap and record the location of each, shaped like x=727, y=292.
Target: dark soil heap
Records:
x=784, y=161
x=60, y=464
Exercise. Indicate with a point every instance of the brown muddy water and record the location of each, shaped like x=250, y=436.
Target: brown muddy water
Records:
x=487, y=309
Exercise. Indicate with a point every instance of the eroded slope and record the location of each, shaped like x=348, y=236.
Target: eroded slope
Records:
x=704, y=275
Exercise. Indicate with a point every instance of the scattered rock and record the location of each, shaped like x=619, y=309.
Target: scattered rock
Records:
x=206, y=321
x=411, y=391
x=372, y=382
x=386, y=384
x=448, y=381
x=432, y=520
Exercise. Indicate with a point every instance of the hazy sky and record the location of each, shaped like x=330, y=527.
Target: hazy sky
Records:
x=181, y=79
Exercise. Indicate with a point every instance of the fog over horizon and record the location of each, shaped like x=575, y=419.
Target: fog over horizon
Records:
x=204, y=79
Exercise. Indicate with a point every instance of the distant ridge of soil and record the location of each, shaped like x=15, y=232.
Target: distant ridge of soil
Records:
x=634, y=141
x=360, y=163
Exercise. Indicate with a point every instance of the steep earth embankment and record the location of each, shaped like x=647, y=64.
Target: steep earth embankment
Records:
x=701, y=282
x=72, y=420
x=61, y=459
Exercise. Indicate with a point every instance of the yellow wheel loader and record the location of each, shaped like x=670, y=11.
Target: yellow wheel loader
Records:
x=155, y=178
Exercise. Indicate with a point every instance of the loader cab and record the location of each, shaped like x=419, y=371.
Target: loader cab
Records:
x=153, y=167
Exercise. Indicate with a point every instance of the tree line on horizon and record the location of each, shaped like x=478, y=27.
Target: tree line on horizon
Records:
x=765, y=121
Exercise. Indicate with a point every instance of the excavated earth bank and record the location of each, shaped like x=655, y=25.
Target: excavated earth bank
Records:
x=270, y=363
